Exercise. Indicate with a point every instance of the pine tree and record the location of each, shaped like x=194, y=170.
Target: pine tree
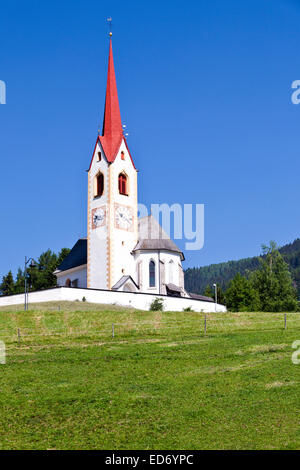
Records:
x=62, y=255
x=39, y=277
x=220, y=295
x=208, y=291
x=44, y=277
x=20, y=282
x=241, y=295
x=7, y=285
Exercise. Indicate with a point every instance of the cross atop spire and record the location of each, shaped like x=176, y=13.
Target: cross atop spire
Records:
x=109, y=21
x=112, y=132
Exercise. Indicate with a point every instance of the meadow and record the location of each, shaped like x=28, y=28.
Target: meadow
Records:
x=84, y=376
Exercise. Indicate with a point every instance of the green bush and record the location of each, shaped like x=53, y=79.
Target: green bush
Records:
x=157, y=305
x=188, y=309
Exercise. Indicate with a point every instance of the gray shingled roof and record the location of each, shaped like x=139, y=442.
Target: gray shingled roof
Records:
x=173, y=287
x=153, y=237
x=122, y=281
x=200, y=297
x=76, y=257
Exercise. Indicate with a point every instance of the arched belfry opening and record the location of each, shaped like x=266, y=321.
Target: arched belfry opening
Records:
x=98, y=184
x=123, y=184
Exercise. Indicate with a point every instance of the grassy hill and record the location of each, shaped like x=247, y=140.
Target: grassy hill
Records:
x=196, y=279
x=160, y=383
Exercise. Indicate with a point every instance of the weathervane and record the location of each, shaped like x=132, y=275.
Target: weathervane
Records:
x=109, y=21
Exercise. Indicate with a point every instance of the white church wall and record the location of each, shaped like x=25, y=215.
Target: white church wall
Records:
x=126, y=299
x=72, y=274
x=146, y=256
x=172, y=260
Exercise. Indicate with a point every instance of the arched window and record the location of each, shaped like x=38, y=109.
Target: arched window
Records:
x=122, y=156
x=68, y=283
x=151, y=274
x=123, y=184
x=99, y=185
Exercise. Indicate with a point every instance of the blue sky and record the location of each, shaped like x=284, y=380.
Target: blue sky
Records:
x=205, y=92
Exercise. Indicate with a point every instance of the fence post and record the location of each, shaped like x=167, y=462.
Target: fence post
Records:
x=205, y=324
x=113, y=330
x=19, y=336
x=285, y=321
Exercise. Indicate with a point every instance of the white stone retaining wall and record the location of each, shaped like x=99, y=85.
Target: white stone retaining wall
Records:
x=125, y=299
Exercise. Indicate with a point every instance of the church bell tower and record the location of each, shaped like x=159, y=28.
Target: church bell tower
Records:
x=112, y=198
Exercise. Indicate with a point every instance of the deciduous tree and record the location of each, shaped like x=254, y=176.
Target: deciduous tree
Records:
x=273, y=282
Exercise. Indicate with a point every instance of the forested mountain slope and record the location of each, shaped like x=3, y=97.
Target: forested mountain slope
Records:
x=196, y=279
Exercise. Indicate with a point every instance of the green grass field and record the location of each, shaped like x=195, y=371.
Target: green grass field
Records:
x=160, y=383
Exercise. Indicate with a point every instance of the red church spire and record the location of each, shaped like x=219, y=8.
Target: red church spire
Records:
x=112, y=126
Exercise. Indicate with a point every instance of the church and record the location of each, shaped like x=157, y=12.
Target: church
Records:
x=121, y=252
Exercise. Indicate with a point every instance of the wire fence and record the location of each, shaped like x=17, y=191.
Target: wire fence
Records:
x=205, y=324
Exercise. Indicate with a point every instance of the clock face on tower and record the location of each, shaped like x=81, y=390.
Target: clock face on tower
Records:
x=123, y=217
x=98, y=217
